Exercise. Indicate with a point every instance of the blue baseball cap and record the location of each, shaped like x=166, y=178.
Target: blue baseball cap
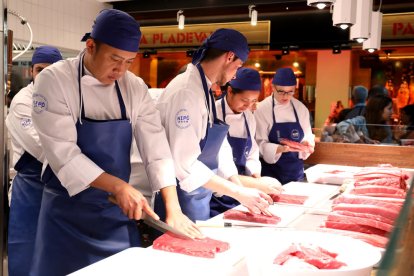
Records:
x=284, y=77
x=247, y=79
x=224, y=39
x=46, y=54
x=117, y=29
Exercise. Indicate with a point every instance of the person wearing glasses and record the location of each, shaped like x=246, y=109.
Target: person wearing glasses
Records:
x=282, y=116
x=235, y=110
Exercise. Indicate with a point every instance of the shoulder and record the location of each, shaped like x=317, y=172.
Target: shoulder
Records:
x=299, y=105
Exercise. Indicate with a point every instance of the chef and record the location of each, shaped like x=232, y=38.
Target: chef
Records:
x=27, y=187
x=196, y=135
x=86, y=111
x=234, y=109
x=278, y=116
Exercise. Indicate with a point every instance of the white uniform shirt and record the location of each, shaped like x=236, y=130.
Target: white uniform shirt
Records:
x=283, y=113
x=56, y=111
x=184, y=114
x=24, y=137
x=238, y=129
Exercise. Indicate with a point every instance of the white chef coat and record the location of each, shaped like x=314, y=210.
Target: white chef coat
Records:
x=56, y=111
x=238, y=129
x=184, y=114
x=24, y=137
x=283, y=113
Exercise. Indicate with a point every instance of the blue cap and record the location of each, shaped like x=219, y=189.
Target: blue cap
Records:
x=247, y=79
x=284, y=77
x=224, y=39
x=117, y=29
x=46, y=54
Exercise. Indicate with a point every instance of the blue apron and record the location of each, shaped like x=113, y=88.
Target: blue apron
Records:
x=77, y=231
x=196, y=204
x=24, y=212
x=241, y=148
x=289, y=167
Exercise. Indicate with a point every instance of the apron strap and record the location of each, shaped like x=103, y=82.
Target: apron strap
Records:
x=81, y=73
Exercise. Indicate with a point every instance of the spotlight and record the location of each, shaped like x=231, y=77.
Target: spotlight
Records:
x=336, y=49
x=320, y=4
x=149, y=53
x=344, y=13
x=180, y=19
x=278, y=57
x=360, y=31
x=285, y=50
x=253, y=15
x=373, y=43
x=146, y=54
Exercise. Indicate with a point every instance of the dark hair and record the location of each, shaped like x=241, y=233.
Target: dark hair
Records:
x=377, y=90
x=235, y=90
x=213, y=53
x=373, y=115
x=409, y=111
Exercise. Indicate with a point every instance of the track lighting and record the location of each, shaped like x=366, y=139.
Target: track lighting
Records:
x=320, y=4
x=344, y=13
x=180, y=19
x=360, y=31
x=336, y=49
x=285, y=50
x=253, y=15
x=373, y=43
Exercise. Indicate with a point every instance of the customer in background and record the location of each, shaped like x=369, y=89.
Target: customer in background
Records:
x=235, y=110
x=407, y=121
x=28, y=157
x=336, y=109
x=87, y=110
x=377, y=90
x=358, y=97
x=282, y=116
x=374, y=127
x=202, y=155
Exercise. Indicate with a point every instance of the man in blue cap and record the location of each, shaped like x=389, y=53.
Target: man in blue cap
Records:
x=27, y=160
x=86, y=111
x=196, y=135
x=234, y=109
x=281, y=116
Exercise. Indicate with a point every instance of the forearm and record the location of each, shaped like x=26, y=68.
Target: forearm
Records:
x=248, y=181
x=222, y=186
x=170, y=198
x=108, y=183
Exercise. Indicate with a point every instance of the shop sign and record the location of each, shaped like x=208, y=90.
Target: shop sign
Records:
x=398, y=26
x=193, y=35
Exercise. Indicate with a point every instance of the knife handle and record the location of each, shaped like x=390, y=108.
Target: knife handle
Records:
x=113, y=200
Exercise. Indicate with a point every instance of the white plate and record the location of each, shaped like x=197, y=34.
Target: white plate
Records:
x=359, y=256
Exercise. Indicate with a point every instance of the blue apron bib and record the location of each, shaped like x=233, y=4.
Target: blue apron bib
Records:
x=289, y=167
x=241, y=148
x=196, y=204
x=24, y=212
x=77, y=231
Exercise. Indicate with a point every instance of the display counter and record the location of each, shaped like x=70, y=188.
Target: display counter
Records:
x=251, y=245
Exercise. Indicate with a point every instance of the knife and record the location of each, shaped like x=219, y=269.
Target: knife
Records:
x=340, y=191
x=157, y=224
x=225, y=224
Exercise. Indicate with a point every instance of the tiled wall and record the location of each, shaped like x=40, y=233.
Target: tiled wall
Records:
x=60, y=23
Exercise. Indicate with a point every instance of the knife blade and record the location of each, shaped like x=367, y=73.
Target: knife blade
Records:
x=340, y=191
x=157, y=224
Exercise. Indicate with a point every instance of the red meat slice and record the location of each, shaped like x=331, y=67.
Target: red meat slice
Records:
x=372, y=239
x=294, y=145
x=314, y=255
x=394, y=204
x=368, y=209
x=386, y=181
x=287, y=198
x=206, y=248
x=249, y=217
x=375, y=190
x=334, y=216
x=365, y=215
x=355, y=227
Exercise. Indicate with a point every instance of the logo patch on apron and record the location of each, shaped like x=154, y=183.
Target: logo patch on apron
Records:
x=294, y=134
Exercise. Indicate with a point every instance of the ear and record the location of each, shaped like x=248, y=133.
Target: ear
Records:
x=90, y=45
x=230, y=56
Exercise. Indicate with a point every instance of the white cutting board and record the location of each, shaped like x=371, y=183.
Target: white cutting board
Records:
x=149, y=261
x=317, y=193
x=323, y=173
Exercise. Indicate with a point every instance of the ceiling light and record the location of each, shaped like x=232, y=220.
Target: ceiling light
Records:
x=257, y=65
x=336, y=49
x=180, y=19
x=320, y=4
x=360, y=30
x=285, y=50
x=253, y=15
x=344, y=13
x=373, y=43
x=295, y=64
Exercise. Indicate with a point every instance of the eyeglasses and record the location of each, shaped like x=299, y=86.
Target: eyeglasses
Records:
x=285, y=93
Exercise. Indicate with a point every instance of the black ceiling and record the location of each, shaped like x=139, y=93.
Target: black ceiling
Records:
x=292, y=21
